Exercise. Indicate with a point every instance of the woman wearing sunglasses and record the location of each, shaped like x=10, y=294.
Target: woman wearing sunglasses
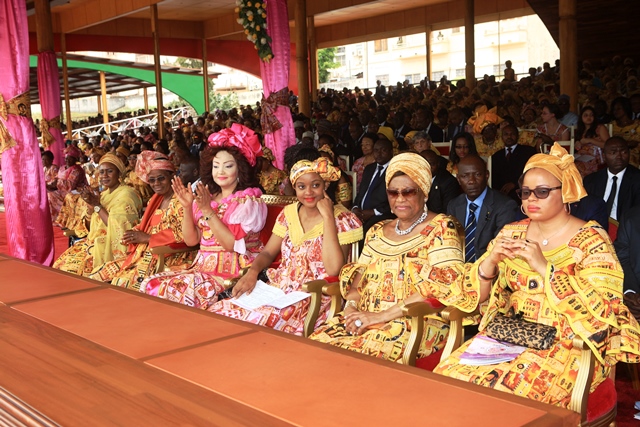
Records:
x=555, y=270
x=160, y=226
x=386, y=276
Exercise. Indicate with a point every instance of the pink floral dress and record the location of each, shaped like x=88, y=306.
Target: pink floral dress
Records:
x=244, y=213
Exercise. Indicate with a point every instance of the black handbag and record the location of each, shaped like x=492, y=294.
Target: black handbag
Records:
x=516, y=330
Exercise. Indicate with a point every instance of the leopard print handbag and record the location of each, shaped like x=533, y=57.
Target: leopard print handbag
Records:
x=516, y=330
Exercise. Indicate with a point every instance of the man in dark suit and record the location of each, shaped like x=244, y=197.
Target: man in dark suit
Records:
x=619, y=184
x=424, y=122
x=402, y=128
x=457, y=123
x=197, y=144
x=444, y=186
x=371, y=204
x=628, y=250
x=481, y=210
x=507, y=164
x=381, y=91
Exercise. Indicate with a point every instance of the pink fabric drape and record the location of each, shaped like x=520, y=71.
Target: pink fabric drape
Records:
x=29, y=229
x=275, y=76
x=49, y=88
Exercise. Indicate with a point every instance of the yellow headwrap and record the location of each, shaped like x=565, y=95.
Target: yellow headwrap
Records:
x=123, y=150
x=408, y=138
x=483, y=117
x=416, y=168
x=114, y=160
x=322, y=166
x=388, y=133
x=560, y=164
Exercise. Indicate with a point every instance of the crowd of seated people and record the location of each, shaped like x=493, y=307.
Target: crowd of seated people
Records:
x=454, y=205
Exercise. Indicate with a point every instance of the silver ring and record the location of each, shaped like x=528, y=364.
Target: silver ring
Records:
x=358, y=323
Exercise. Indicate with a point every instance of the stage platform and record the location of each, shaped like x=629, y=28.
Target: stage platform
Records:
x=77, y=352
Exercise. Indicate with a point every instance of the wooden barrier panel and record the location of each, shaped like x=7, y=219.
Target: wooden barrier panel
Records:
x=78, y=352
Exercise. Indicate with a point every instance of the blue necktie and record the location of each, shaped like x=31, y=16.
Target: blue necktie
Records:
x=470, y=235
x=374, y=182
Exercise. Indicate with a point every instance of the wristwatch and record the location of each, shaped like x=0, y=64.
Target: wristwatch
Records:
x=97, y=209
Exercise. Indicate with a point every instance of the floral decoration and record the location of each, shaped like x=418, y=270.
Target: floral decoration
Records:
x=253, y=17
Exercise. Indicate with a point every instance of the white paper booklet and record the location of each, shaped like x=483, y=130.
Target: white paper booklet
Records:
x=487, y=351
x=264, y=294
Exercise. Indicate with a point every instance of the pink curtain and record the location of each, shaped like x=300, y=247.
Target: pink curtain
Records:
x=49, y=88
x=275, y=76
x=29, y=230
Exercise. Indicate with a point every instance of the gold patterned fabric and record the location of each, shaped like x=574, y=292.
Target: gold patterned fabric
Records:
x=415, y=166
x=560, y=164
x=18, y=106
x=580, y=294
x=115, y=161
x=45, y=125
x=268, y=120
x=389, y=270
x=270, y=181
x=630, y=132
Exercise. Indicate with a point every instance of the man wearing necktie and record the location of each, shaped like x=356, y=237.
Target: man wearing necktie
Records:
x=619, y=184
x=508, y=164
x=371, y=204
x=482, y=211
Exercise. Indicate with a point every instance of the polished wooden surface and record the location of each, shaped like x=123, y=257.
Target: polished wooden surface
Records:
x=100, y=355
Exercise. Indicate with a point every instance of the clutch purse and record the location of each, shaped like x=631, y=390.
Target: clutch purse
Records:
x=516, y=330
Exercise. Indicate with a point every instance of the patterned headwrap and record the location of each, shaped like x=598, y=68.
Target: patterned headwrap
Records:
x=326, y=149
x=72, y=151
x=114, y=160
x=415, y=166
x=560, y=164
x=242, y=138
x=322, y=166
x=483, y=117
x=152, y=160
x=526, y=107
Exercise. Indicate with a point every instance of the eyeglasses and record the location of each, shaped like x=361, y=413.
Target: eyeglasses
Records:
x=161, y=178
x=540, y=192
x=407, y=193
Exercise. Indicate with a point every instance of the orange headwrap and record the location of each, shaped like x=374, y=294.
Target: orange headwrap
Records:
x=415, y=167
x=560, y=164
x=152, y=160
x=322, y=166
x=483, y=117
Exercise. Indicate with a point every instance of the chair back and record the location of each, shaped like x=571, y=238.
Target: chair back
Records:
x=353, y=177
x=275, y=204
x=444, y=148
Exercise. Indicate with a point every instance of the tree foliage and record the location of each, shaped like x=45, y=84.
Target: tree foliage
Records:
x=326, y=61
x=217, y=101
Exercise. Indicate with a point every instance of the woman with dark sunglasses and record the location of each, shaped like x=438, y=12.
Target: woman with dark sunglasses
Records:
x=160, y=226
x=385, y=277
x=556, y=270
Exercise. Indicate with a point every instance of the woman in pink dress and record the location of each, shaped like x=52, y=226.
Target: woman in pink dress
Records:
x=50, y=171
x=225, y=216
x=590, y=139
x=314, y=237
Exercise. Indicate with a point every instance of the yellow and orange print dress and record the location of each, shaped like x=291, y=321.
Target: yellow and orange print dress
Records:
x=581, y=295
x=392, y=271
x=301, y=262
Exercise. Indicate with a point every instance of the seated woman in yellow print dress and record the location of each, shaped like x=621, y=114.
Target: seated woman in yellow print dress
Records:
x=314, y=237
x=114, y=211
x=558, y=271
x=379, y=284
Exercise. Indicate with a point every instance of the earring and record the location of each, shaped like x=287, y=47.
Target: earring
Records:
x=522, y=210
x=567, y=208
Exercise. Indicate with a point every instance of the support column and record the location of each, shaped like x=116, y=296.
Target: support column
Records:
x=65, y=81
x=568, y=51
x=313, y=57
x=302, y=56
x=99, y=100
x=146, y=100
x=44, y=34
x=469, y=43
x=105, y=108
x=156, y=60
x=428, y=29
x=205, y=74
